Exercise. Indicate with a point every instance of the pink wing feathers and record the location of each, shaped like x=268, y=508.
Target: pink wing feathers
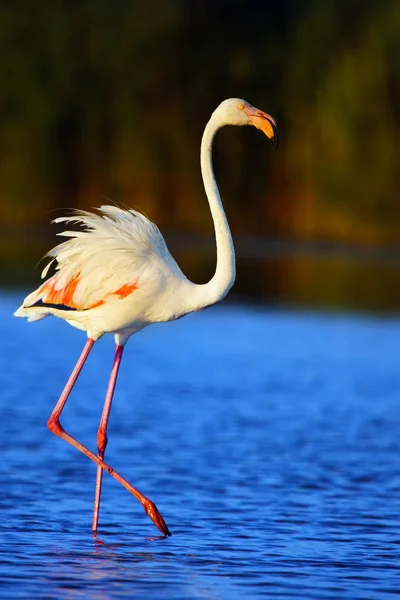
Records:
x=107, y=257
x=70, y=294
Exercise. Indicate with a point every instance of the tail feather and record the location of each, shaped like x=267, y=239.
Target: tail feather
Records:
x=31, y=313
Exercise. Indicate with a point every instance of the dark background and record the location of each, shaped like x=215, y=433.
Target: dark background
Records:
x=106, y=101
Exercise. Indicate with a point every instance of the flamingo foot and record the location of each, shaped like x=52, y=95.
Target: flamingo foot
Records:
x=151, y=509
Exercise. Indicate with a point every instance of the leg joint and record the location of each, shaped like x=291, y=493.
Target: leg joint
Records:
x=54, y=425
x=102, y=439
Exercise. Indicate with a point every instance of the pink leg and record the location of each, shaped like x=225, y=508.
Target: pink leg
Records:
x=54, y=426
x=102, y=432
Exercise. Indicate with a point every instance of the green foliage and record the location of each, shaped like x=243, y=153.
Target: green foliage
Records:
x=109, y=99
x=344, y=115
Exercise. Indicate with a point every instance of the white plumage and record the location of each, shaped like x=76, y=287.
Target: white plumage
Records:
x=116, y=275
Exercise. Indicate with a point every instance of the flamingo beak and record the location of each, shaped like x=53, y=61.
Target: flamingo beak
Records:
x=264, y=122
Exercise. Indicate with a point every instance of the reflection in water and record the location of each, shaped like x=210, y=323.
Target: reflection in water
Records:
x=281, y=272
x=114, y=569
x=269, y=440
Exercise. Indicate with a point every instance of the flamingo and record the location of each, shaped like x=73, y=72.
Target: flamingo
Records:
x=115, y=275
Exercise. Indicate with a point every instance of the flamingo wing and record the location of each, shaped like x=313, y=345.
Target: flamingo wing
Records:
x=112, y=255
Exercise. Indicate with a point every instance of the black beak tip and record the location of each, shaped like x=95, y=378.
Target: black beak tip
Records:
x=275, y=138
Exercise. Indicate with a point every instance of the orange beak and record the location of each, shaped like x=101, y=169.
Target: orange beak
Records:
x=264, y=122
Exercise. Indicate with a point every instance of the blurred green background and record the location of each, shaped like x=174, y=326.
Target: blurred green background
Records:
x=106, y=100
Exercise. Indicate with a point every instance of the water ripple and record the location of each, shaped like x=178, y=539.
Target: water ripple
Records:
x=269, y=441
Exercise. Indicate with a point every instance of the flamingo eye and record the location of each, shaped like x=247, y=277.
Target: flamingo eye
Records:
x=241, y=106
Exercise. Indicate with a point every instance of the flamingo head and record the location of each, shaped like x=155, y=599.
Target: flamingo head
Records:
x=235, y=111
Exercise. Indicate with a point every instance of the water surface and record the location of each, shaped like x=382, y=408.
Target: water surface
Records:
x=269, y=440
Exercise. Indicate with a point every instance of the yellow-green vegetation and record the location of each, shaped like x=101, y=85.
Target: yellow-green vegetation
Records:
x=107, y=100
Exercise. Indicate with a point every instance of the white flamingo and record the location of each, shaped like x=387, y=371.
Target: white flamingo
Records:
x=116, y=275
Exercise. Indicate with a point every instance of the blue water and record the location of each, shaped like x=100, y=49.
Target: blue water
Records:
x=269, y=440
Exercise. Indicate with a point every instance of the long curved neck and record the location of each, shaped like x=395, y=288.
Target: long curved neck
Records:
x=224, y=276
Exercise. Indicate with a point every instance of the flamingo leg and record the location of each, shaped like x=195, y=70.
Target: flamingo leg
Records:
x=56, y=428
x=102, y=439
